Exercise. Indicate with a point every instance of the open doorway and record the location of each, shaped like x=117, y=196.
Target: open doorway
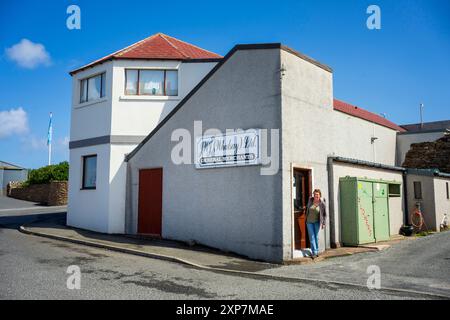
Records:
x=302, y=188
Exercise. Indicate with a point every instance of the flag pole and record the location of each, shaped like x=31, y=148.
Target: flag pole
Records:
x=49, y=139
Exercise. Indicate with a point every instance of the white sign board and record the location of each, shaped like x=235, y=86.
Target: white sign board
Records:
x=240, y=148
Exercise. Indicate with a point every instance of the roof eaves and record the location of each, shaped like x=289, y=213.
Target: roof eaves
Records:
x=306, y=58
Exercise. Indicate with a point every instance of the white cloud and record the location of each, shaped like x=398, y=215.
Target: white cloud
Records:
x=37, y=143
x=63, y=142
x=28, y=54
x=14, y=121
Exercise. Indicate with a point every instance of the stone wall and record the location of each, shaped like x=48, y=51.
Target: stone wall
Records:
x=52, y=194
x=430, y=155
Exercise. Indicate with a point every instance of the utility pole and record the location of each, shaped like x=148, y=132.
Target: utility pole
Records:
x=421, y=115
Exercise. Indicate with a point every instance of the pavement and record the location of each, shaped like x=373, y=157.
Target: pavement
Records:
x=196, y=255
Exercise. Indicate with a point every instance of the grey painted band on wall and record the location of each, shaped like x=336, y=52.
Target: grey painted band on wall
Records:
x=105, y=140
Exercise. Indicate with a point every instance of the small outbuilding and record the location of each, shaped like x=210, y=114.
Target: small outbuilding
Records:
x=430, y=193
x=10, y=172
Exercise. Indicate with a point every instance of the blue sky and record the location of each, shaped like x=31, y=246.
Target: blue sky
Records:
x=387, y=71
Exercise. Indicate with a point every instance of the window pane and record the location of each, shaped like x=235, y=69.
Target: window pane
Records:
x=131, y=79
x=103, y=85
x=151, y=82
x=94, y=87
x=417, y=190
x=90, y=172
x=171, y=83
x=83, y=91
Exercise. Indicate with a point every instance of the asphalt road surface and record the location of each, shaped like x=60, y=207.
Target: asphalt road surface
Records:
x=36, y=268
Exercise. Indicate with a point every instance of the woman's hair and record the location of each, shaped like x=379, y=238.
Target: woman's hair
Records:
x=317, y=191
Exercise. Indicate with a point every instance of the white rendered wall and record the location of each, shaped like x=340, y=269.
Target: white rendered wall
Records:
x=117, y=185
x=138, y=115
x=442, y=203
x=88, y=209
x=312, y=131
x=93, y=118
x=103, y=209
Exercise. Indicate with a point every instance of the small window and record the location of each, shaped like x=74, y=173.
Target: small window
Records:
x=92, y=88
x=151, y=82
x=89, y=172
x=394, y=190
x=171, y=83
x=417, y=190
x=448, y=190
x=131, y=79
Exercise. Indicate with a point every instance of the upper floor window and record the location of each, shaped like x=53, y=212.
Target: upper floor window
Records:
x=151, y=82
x=92, y=88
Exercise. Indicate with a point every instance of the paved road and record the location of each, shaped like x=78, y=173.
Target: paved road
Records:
x=417, y=265
x=35, y=268
x=13, y=207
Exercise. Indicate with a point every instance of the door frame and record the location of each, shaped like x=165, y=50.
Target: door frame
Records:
x=162, y=203
x=293, y=167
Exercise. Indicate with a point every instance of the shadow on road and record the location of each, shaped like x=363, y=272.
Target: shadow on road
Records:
x=15, y=221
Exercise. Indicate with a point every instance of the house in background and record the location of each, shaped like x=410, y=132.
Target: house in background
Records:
x=117, y=101
x=416, y=133
x=10, y=172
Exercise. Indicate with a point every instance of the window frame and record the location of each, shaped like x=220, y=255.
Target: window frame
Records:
x=138, y=93
x=418, y=190
x=83, y=187
x=448, y=190
x=102, y=76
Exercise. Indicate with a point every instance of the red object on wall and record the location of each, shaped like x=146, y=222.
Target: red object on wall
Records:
x=150, y=202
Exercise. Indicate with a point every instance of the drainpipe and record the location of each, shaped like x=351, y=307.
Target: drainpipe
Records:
x=331, y=213
x=405, y=198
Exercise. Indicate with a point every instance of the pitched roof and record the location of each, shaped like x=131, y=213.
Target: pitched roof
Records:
x=364, y=114
x=427, y=126
x=158, y=47
x=7, y=165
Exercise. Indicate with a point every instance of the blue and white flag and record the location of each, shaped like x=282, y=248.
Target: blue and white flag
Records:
x=50, y=131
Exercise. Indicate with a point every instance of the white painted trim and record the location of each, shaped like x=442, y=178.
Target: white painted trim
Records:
x=296, y=166
x=149, y=98
x=90, y=103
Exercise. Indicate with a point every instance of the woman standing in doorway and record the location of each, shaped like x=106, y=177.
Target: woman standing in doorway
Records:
x=315, y=219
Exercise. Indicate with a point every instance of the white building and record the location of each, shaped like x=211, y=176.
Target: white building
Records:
x=230, y=204
x=117, y=101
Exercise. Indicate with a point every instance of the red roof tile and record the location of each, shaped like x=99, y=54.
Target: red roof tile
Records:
x=364, y=114
x=158, y=47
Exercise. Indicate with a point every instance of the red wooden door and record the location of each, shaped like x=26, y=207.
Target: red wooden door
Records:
x=150, y=202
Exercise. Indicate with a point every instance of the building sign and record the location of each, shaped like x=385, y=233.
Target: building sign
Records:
x=232, y=149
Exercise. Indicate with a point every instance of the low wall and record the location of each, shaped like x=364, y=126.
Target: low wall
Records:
x=52, y=194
